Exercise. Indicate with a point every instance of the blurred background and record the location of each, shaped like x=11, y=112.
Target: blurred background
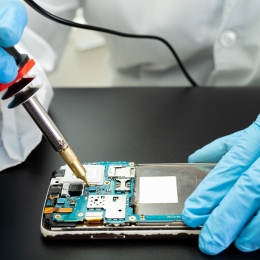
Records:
x=87, y=51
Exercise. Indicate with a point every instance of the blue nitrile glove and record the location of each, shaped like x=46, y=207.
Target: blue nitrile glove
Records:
x=227, y=201
x=13, y=18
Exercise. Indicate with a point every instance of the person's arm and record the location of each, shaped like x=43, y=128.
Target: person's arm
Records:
x=13, y=19
x=18, y=133
x=227, y=201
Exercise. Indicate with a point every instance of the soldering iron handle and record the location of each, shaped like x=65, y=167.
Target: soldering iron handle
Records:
x=20, y=59
x=13, y=52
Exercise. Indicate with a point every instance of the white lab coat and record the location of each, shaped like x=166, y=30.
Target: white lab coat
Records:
x=218, y=42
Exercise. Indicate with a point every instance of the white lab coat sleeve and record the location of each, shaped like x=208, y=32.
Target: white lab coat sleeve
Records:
x=44, y=41
x=19, y=135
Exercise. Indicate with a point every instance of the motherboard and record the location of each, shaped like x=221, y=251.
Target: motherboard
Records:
x=119, y=194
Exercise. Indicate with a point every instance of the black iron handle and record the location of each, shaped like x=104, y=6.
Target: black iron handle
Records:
x=20, y=59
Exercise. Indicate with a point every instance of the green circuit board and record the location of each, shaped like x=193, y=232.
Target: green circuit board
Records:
x=109, y=200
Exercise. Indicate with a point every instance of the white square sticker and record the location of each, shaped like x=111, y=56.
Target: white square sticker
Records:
x=161, y=189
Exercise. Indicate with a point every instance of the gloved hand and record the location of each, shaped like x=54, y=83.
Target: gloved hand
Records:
x=13, y=18
x=227, y=201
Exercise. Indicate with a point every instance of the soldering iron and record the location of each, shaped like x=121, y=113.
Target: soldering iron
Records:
x=24, y=92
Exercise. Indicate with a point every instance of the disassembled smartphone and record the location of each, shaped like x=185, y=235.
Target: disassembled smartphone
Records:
x=124, y=200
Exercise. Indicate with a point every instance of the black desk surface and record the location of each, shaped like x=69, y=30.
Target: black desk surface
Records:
x=143, y=125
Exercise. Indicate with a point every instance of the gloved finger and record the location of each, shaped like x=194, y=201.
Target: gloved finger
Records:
x=233, y=213
x=220, y=180
x=214, y=151
x=8, y=67
x=13, y=18
x=249, y=238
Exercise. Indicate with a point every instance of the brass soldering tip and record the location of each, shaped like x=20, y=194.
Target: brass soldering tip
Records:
x=73, y=162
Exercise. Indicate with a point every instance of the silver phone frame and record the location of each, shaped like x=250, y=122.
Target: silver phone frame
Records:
x=177, y=229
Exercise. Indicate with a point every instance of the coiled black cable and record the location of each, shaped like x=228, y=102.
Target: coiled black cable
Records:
x=60, y=20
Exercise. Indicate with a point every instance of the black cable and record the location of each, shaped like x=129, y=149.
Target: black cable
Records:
x=60, y=20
